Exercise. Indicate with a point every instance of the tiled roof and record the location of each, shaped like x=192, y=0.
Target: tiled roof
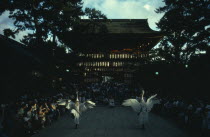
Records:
x=128, y=26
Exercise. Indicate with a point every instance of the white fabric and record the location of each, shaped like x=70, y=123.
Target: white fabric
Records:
x=61, y=102
x=76, y=116
x=84, y=106
x=77, y=108
x=143, y=116
x=142, y=107
x=68, y=103
x=150, y=102
x=132, y=103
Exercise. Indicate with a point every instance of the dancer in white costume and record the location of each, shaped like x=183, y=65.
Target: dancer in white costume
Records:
x=76, y=108
x=142, y=107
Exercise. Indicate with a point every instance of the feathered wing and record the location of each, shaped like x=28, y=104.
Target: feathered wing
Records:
x=86, y=105
x=75, y=113
x=70, y=104
x=61, y=102
x=150, y=98
x=136, y=106
x=64, y=102
x=151, y=102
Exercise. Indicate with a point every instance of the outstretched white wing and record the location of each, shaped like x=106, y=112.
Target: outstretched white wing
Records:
x=75, y=113
x=136, y=106
x=151, y=102
x=64, y=102
x=84, y=106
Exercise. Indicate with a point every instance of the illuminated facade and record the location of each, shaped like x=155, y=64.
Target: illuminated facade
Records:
x=119, y=52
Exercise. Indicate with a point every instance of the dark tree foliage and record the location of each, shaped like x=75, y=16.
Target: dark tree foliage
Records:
x=43, y=18
x=186, y=25
x=50, y=20
x=86, y=30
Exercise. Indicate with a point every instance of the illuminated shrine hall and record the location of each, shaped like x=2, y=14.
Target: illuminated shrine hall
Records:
x=118, y=53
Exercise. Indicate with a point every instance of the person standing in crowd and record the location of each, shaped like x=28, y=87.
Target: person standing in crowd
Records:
x=43, y=109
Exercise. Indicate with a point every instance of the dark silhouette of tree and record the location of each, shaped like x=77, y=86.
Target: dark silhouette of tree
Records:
x=50, y=20
x=44, y=18
x=85, y=30
x=185, y=26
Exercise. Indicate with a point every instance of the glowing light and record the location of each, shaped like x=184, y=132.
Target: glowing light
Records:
x=128, y=49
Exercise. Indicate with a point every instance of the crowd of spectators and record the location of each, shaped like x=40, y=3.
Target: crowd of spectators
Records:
x=107, y=92
x=28, y=114
x=32, y=112
x=192, y=115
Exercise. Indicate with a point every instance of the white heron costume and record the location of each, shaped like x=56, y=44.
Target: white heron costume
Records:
x=77, y=108
x=142, y=107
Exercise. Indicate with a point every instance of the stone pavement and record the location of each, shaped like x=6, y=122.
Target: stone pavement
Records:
x=112, y=122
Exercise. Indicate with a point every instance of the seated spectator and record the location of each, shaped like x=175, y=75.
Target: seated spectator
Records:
x=21, y=110
x=111, y=102
x=27, y=123
x=42, y=115
x=106, y=101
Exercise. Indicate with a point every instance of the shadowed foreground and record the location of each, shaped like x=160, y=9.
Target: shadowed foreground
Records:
x=111, y=122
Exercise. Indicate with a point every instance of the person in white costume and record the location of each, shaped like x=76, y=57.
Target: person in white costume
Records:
x=142, y=107
x=76, y=108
